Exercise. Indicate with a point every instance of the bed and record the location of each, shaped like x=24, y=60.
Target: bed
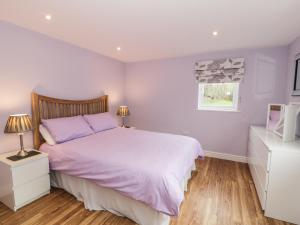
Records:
x=138, y=174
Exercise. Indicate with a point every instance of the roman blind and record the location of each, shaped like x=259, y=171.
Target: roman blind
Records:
x=230, y=70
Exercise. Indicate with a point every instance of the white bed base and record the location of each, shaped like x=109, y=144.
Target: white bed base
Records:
x=95, y=197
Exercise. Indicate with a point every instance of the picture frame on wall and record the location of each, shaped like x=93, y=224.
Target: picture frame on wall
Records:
x=296, y=87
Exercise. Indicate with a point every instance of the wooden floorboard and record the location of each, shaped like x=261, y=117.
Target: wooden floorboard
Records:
x=220, y=193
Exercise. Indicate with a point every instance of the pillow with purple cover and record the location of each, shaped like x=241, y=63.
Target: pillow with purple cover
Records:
x=67, y=128
x=101, y=121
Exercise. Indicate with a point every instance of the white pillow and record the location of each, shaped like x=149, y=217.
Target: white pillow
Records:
x=46, y=135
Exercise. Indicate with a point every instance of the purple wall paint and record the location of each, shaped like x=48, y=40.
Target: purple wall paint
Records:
x=162, y=96
x=31, y=61
x=294, y=49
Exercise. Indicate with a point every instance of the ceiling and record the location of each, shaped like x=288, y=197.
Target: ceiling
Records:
x=154, y=29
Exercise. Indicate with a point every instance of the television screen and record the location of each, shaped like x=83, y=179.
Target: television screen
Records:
x=297, y=78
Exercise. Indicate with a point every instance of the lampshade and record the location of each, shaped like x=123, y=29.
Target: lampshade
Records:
x=19, y=123
x=123, y=111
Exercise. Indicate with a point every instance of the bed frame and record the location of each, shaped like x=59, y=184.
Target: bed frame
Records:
x=44, y=107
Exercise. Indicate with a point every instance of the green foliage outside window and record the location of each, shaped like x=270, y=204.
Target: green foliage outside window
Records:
x=220, y=94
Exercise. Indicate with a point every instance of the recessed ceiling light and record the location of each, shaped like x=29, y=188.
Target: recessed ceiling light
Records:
x=48, y=17
x=118, y=48
x=215, y=33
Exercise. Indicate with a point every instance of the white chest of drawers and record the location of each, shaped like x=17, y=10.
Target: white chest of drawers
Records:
x=275, y=168
x=23, y=181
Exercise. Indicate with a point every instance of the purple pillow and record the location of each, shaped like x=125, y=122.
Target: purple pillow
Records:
x=101, y=121
x=67, y=128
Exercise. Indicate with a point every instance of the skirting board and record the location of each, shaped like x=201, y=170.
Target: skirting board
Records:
x=225, y=156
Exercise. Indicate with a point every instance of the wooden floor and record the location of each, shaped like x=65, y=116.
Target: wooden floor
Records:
x=220, y=192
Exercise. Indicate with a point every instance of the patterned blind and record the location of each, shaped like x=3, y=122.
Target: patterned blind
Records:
x=230, y=70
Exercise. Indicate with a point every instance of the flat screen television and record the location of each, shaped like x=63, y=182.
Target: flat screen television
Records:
x=296, y=89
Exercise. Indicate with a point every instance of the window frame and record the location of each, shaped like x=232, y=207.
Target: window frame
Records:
x=235, y=98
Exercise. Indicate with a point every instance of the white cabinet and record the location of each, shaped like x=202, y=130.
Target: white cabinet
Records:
x=23, y=181
x=275, y=168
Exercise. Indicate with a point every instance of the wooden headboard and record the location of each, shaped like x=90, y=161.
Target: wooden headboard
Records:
x=44, y=107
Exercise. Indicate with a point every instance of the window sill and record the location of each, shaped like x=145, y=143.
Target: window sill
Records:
x=218, y=109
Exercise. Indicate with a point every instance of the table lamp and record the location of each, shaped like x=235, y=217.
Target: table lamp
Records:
x=19, y=124
x=123, y=112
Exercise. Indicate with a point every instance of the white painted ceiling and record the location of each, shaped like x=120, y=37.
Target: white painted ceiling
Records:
x=153, y=29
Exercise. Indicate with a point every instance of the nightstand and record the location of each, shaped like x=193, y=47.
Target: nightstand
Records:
x=23, y=181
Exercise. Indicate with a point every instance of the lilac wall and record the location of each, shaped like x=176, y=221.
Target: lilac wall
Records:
x=162, y=96
x=294, y=49
x=31, y=61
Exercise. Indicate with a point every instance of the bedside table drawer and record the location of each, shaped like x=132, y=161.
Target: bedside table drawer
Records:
x=31, y=191
x=28, y=172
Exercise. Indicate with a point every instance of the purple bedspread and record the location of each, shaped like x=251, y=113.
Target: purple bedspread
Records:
x=142, y=165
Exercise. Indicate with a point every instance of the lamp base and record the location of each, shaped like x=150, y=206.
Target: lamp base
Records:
x=22, y=153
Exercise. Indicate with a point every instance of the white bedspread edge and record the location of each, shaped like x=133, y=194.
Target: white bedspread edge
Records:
x=95, y=197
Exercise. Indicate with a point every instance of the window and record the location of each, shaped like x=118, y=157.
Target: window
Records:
x=218, y=96
x=219, y=82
